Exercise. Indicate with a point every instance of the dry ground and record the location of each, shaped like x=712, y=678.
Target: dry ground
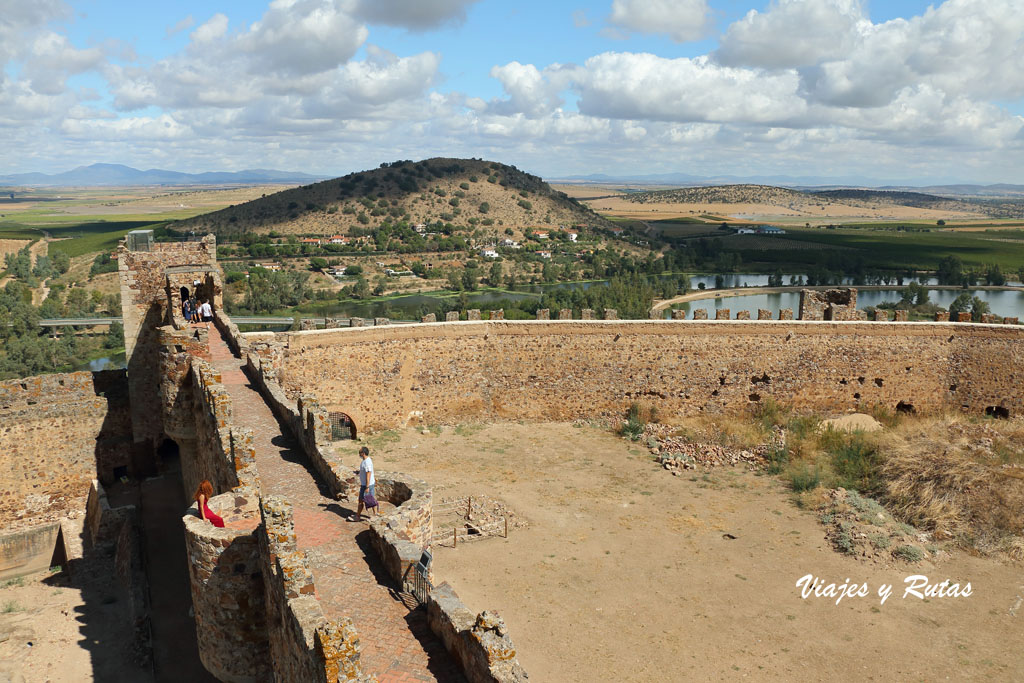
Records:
x=51, y=631
x=796, y=214
x=625, y=572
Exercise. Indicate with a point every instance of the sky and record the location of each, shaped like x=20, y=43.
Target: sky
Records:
x=898, y=91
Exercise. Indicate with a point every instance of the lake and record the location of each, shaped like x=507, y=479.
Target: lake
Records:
x=1002, y=303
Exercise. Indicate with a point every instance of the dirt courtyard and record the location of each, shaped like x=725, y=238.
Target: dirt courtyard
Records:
x=627, y=573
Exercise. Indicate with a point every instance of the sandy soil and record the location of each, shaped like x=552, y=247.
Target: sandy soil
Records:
x=627, y=573
x=51, y=631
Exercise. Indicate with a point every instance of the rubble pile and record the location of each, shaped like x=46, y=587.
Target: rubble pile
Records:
x=677, y=454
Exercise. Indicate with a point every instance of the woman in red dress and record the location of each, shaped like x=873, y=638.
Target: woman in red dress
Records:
x=203, y=494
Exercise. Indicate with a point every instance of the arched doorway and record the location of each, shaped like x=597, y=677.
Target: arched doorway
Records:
x=342, y=426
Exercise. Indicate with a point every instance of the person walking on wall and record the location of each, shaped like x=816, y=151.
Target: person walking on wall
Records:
x=203, y=494
x=367, y=486
x=206, y=312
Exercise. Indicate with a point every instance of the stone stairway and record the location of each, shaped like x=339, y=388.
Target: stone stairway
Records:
x=397, y=644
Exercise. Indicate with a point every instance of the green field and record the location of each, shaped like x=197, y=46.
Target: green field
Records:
x=77, y=239
x=899, y=250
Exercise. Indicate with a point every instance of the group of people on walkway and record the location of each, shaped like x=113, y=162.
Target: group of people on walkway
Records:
x=367, y=493
x=196, y=312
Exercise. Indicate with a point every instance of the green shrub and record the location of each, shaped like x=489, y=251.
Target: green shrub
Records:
x=803, y=477
x=777, y=458
x=880, y=541
x=909, y=553
x=855, y=459
x=634, y=425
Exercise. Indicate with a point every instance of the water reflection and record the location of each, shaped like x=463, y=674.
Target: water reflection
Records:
x=1002, y=302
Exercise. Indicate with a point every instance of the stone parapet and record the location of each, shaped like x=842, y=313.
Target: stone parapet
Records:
x=400, y=536
x=304, y=645
x=700, y=314
x=479, y=642
x=722, y=314
x=226, y=572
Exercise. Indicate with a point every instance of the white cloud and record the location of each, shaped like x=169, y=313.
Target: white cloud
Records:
x=212, y=29
x=645, y=86
x=793, y=33
x=415, y=15
x=529, y=90
x=182, y=25
x=681, y=20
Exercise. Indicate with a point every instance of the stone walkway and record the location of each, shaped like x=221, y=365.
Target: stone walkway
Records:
x=397, y=644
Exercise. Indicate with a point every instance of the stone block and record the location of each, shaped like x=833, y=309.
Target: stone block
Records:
x=331, y=323
x=743, y=315
x=307, y=324
x=942, y=316
x=831, y=304
x=429, y=318
x=722, y=314
x=988, y=318
x=764, y=314
x=900, y=316
x=881, y=315
x=700, y=314
x=565, y=314
x=381, y=321
x=587, y=314
x=679, y=314
x=451, y=317
x=963, y=317
x=356, y=322
x=498, y=314
x=473, y=314
x=543, y=314
x=785, y=314
x=611, y=314
x=1011, y=321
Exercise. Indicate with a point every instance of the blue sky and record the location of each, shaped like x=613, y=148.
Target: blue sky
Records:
x=903, y=91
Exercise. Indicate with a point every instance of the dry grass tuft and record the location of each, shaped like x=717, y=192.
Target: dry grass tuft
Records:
x=958, y=479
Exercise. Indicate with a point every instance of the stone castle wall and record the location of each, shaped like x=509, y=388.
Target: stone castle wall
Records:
x=58, y=433
x=560, y=370
x=145, y=305
x=227, y=591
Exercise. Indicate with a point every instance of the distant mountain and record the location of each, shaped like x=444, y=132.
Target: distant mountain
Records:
x=118, y=174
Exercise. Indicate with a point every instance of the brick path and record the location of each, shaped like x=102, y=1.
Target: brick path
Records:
x=396, y=643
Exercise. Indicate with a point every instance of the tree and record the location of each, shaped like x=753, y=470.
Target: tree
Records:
x=994, y=276
x=494, y=277
x=950, y=271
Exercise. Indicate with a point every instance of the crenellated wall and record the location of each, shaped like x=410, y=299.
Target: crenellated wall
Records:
x=386, y=377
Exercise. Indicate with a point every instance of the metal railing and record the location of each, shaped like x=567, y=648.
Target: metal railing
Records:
x=419, y=583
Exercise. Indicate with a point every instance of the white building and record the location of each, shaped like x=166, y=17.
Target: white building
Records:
x=488, y=253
